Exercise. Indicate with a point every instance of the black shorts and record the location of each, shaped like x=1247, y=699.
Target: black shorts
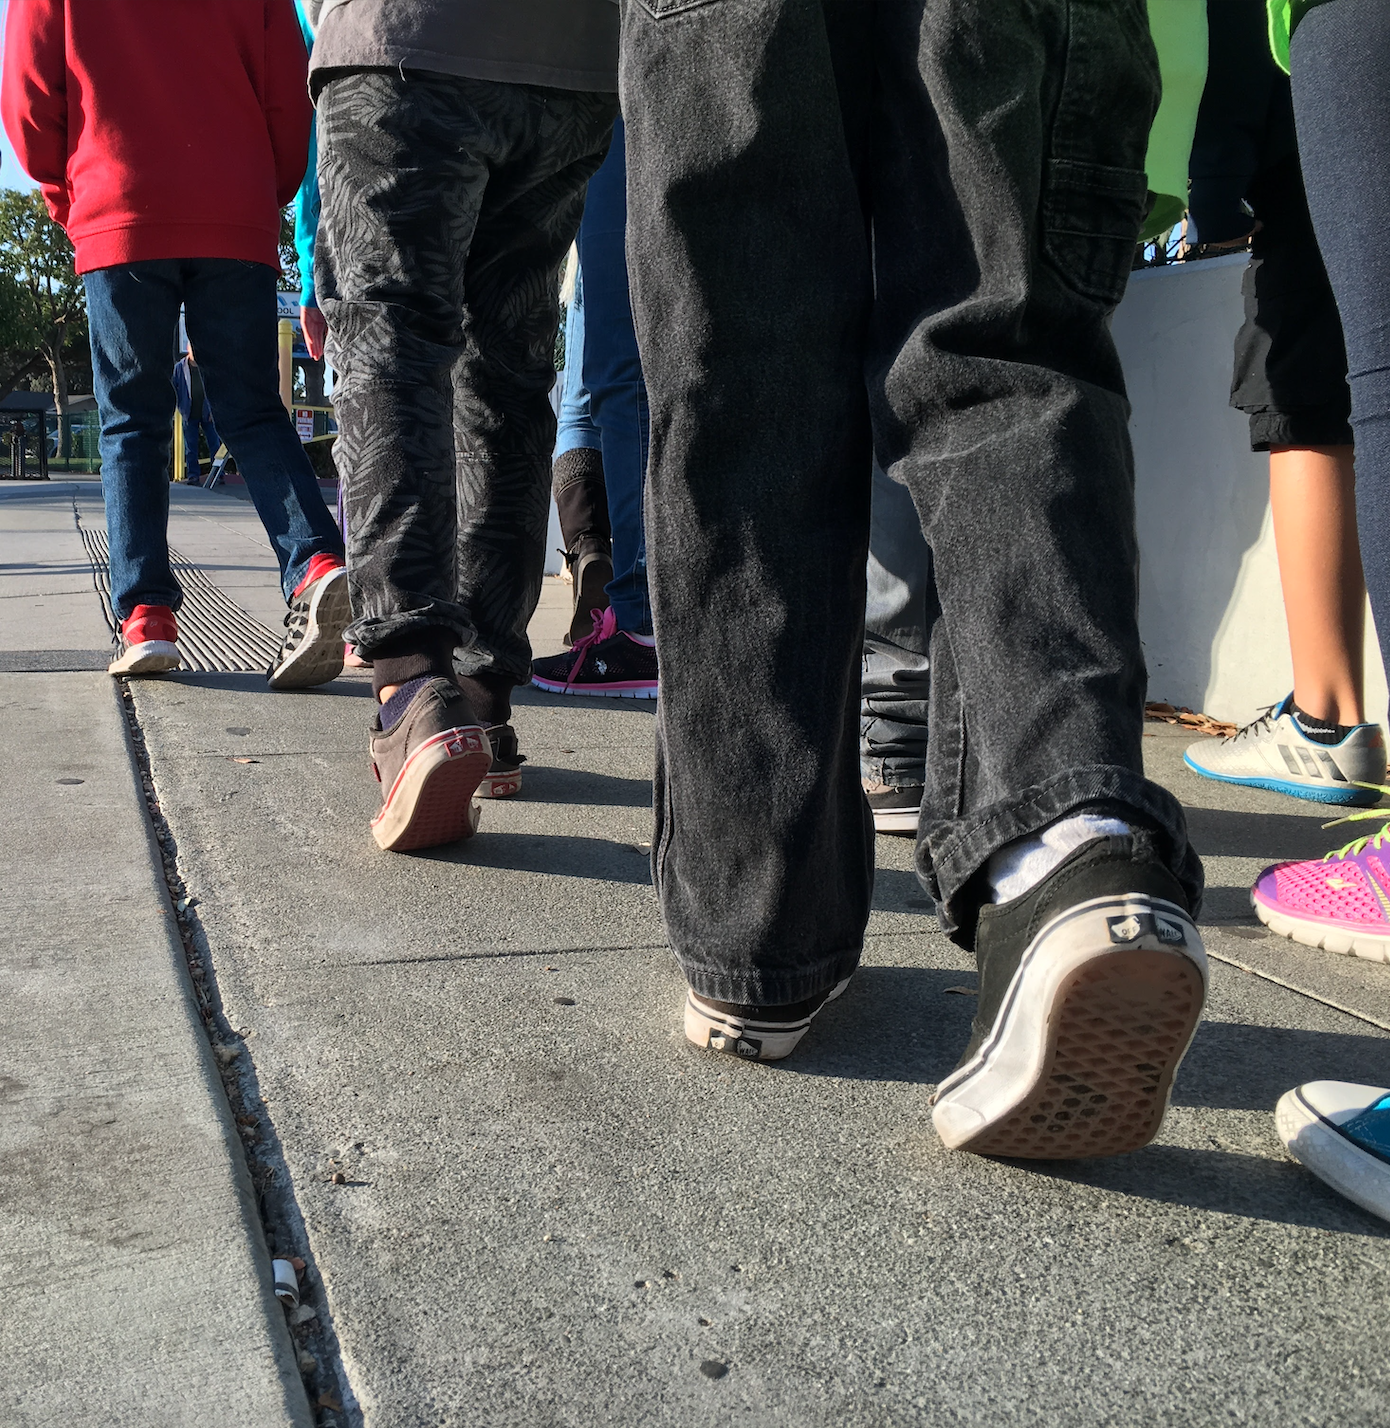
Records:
x=1290, y=373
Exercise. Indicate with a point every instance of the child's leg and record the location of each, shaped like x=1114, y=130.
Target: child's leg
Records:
x=133, y=312
x=1340, y=53
x=1312, y=494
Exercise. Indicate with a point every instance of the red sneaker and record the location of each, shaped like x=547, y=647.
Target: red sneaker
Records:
x=319, y=613
x=147, y=643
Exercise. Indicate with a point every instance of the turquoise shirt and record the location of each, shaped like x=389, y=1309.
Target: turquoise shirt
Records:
x=306, y=201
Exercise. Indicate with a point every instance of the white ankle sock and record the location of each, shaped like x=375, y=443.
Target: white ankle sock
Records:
x=648, y=640
x=1019, y=866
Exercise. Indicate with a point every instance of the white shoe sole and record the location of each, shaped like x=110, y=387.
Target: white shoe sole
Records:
x=713, y=1030
x=896, y=820
x=1361, y=1177
x=318, y=657
x=500, y=785
x=631, y=690
x=148, y=657
x=1095, y=1023
x=1318, y=934
x=431, y=801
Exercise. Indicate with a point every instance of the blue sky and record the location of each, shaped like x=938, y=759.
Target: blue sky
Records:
x=11, y=175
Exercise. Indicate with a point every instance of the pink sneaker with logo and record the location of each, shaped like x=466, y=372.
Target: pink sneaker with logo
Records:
x=1340, y=903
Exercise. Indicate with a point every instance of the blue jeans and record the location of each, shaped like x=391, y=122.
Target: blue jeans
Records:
x=613, y=377
x=900, y=612
x=576, y=424
x=229, y=307
x=1339, y=56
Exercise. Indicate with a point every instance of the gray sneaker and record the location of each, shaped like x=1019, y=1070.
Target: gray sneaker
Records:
x=1274, y=753
x=429, y=763
x=312, y=652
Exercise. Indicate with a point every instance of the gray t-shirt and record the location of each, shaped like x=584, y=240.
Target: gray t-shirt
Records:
x=562, y=44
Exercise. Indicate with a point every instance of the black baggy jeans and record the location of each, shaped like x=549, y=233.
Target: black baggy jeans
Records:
x=891, y=227
x=448, y=206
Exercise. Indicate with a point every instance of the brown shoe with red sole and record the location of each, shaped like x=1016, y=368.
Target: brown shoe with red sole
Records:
x=430, y=763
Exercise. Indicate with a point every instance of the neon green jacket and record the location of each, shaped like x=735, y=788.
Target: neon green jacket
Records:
x=1284, y=16
x=1179, y=29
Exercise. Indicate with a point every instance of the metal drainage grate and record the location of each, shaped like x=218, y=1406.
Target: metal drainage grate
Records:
x=215, y=635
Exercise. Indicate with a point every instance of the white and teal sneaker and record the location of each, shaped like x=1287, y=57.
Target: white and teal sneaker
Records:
x=1274, y=753
x=1341, y=1132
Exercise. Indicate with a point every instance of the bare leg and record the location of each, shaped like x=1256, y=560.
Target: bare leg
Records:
x=1313, y=498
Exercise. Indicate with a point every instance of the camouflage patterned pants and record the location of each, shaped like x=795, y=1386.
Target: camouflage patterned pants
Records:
x=448, y=207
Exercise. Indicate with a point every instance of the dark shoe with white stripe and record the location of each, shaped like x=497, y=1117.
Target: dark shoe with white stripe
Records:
x=753, y=1033
x=895, y=810
x=1091, y=988
x=503, y=778
x=319, y=613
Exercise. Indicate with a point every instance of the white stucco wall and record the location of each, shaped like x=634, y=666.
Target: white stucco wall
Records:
x=1210, y=610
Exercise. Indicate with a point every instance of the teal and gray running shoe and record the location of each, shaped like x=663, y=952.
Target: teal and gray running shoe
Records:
x=1274, y=753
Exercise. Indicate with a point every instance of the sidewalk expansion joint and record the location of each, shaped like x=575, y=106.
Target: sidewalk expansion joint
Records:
x=1302, y=991
x=316, y=1345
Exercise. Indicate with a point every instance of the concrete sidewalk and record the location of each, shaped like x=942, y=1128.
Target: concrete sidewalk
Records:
x=133, y=1267
x=524, y=1199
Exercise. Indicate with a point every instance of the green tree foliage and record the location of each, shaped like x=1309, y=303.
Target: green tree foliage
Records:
x=43, y=307
x=289, y=258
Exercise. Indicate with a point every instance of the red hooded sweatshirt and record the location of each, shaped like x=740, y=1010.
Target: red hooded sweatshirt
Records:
x=159, y=128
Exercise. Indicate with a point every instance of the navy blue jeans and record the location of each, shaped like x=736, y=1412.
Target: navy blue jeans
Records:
x=1340, y=59
x=613, y=377
x=229, y=308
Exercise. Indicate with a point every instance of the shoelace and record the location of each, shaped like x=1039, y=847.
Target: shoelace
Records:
x=1378, y=841
x=605, y=627
x=1262, y=723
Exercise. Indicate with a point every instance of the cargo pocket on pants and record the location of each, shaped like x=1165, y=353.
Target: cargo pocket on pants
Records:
x=1091, y=219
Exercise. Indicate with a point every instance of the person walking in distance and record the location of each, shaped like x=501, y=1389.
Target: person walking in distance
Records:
x=877, y=230
x=171, y=205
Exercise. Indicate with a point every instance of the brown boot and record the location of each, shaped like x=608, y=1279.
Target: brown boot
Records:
x=429, y=763
x=581, y=502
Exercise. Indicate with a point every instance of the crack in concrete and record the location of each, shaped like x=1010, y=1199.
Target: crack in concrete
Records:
x=316, y=1343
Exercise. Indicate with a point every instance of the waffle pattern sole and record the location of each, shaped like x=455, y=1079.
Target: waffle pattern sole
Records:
x=318, y=656
x=431, y=802
x=1119, y=1028
x=1325, y=936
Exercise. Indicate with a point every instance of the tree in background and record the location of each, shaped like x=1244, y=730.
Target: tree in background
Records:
x=43, y=305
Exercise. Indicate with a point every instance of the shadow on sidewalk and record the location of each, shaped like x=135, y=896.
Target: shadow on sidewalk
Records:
x=1234, y=1066
x=1274, y=837
x=562, y=855
x=1226, y=1181
x=892, y=1024
x=547, y=783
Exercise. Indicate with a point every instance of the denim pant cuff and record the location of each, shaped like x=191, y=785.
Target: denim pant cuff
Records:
x=403, y=633
x=951, y=853
x=768, y=990
x=895, y=770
